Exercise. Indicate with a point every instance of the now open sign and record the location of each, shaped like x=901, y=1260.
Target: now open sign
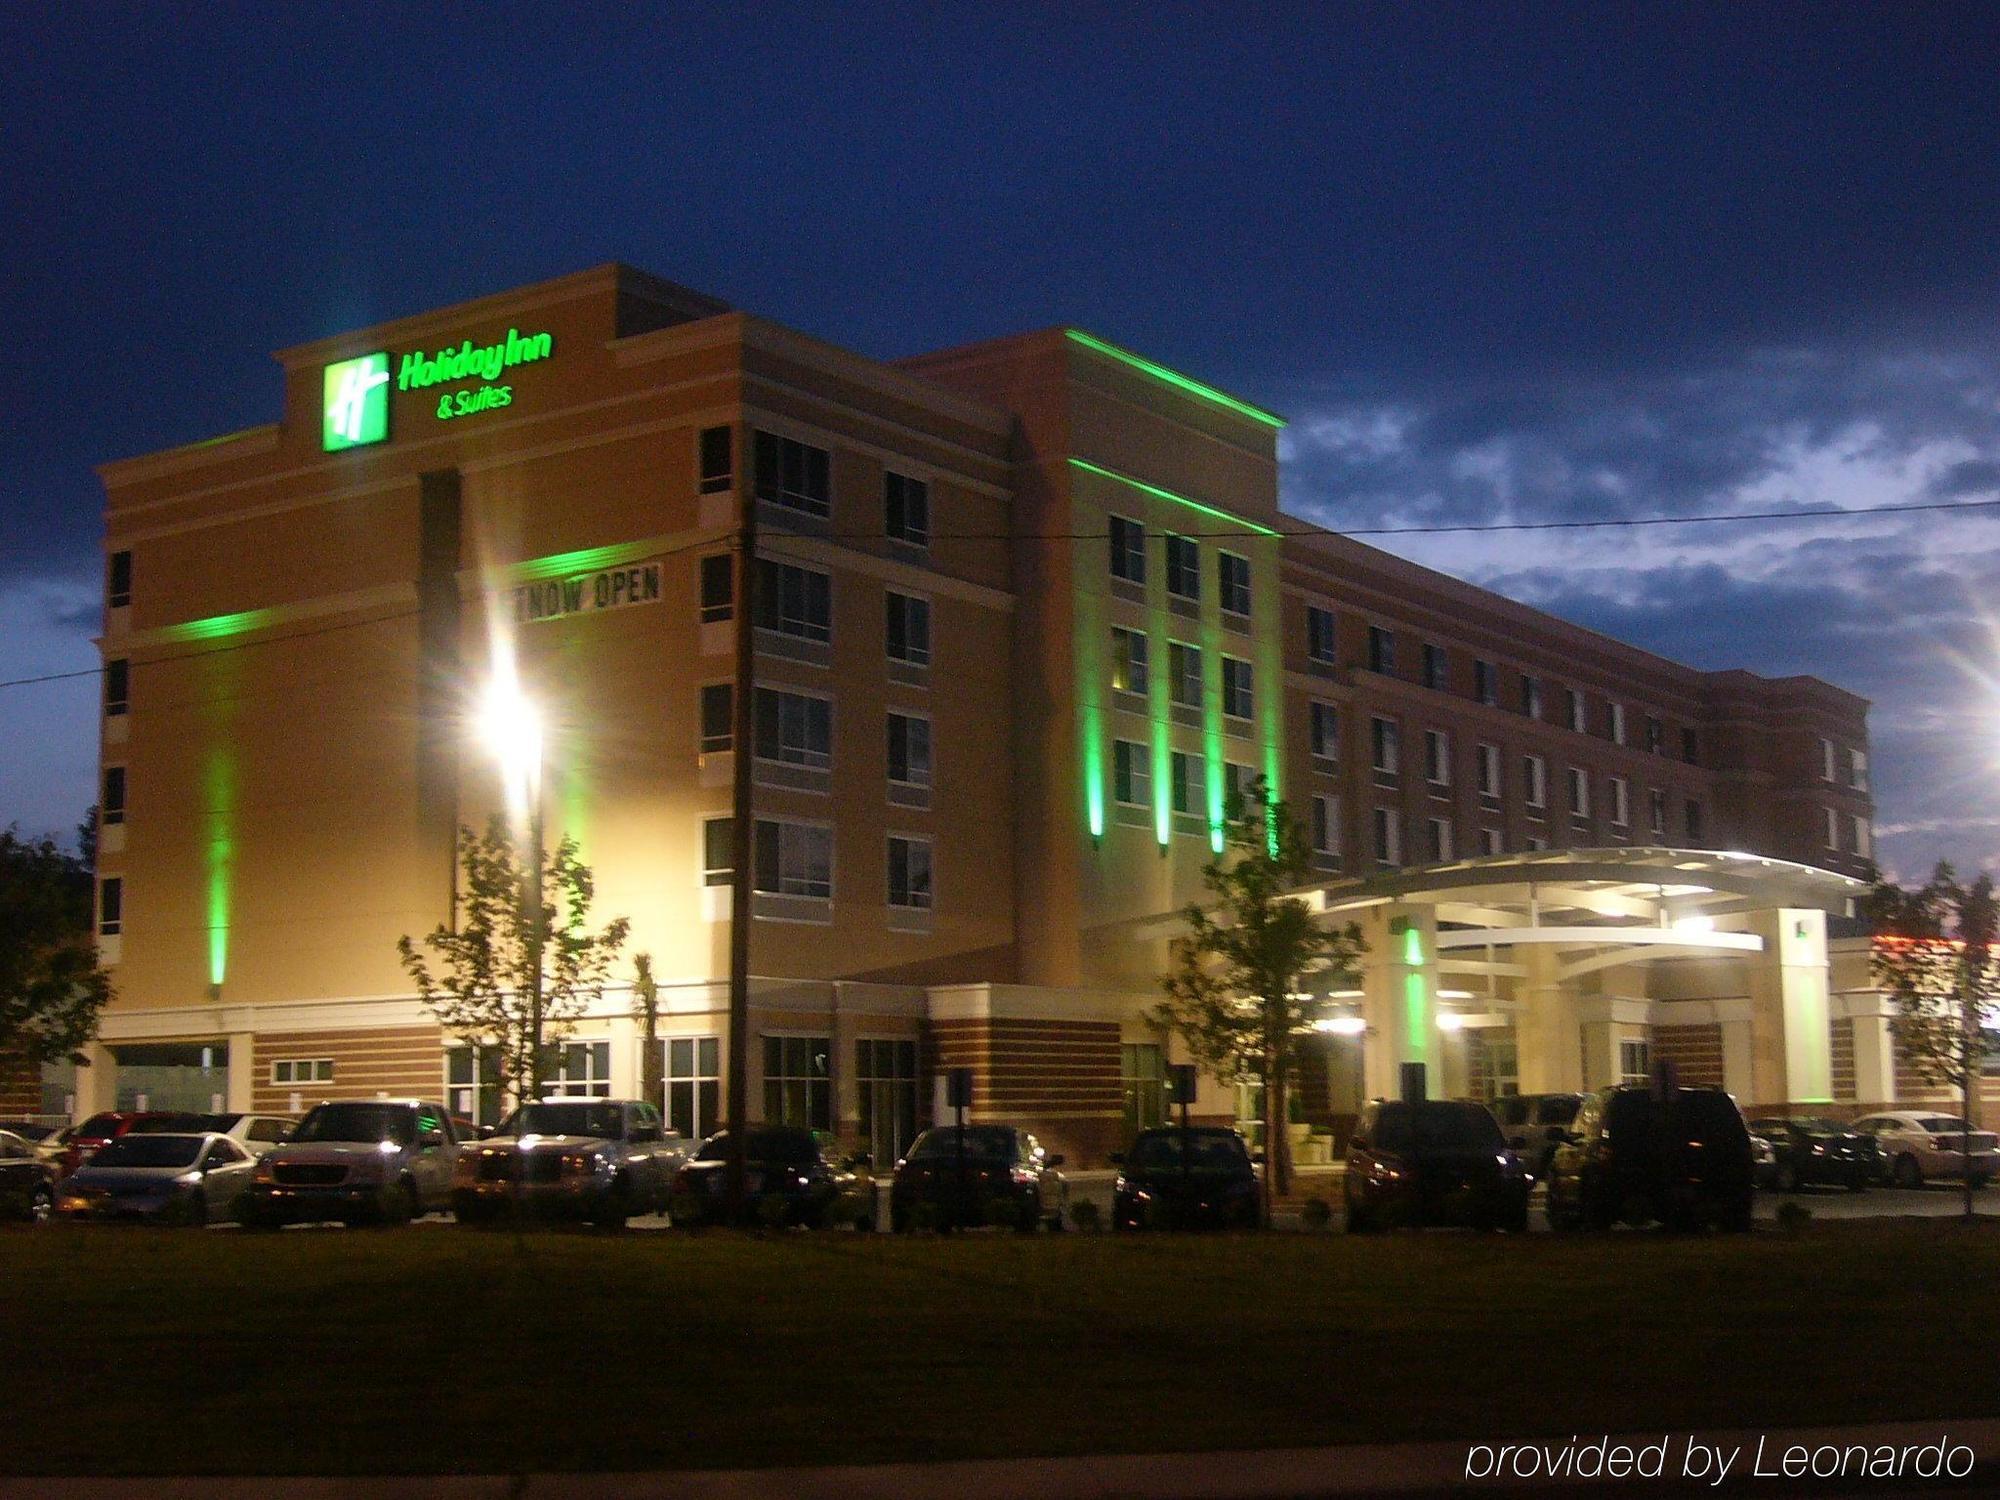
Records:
x=586, y=593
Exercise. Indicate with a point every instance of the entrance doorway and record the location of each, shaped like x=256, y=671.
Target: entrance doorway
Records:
x=191, y=1076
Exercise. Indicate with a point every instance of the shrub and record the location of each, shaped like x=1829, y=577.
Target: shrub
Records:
x=1003, y=1213
x=1793, y=1217
x=773, y=1212
x=1084, y=1216
x=1314, y=1214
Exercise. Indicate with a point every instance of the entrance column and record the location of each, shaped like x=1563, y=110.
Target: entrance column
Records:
x=1875, y=1054
x=1548, y=1035
x=1791, y=1053
x=97, y=1084
x=1399, y=998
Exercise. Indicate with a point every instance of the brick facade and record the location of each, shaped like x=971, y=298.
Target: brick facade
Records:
x=1695, y=1051
x=404, y=1061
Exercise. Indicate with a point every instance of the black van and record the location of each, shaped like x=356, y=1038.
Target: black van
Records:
x=1678, y=1157
x=1431, y=1162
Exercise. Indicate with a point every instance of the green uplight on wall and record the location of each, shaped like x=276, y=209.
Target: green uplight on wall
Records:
x=1162, y=494
x=219, y=851
x=1184, y=383
x=217, y=627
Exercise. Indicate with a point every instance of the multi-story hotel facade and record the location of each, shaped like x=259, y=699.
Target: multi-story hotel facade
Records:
x=1025, y=614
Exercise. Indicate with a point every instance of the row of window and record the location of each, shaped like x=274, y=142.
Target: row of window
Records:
x=796, y=728
x=1182, y=558
x=1131, y=672
x=1847, y=833
x=1435, y=673
x=799, y=476
x=791, y=858
x=797, y=601
x=1436, y=832
x=1843, y=765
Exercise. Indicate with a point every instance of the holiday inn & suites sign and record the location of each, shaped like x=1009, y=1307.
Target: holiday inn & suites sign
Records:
x=354, y=410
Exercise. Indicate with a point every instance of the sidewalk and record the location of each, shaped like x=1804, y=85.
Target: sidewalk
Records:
x=1397, y=1469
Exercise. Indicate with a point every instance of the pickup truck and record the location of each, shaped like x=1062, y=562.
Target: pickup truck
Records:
x=597, y=1159
x=382, y=1161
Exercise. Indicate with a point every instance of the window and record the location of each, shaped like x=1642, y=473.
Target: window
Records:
x=581, y=1069
x=1142, y=1070
x=1503, y=1069
x=1186, y=795
x=1319, y=635
x=1857, y=770
x=718, y=851
x=110, y=906
x=1323, y=719
x=718, y=588
x=1388, y=838
x=1617, y=722
x=1128, y=550
x=1386, y=742
x=1183, y=567
x=111, y=801
x=1485, y=682
x=472, y=1083
x=1531, y=696
x=1437, y=757
x=1537, y=842
x=1579, y=791
x=1238, y=692
x=1381, y=650
x=1826, y=760
x=1831, y=821
x=1535, y=779
x=794, y=859
x=1575, y=710
x=1131, y=774
x=885, y=1073
x=906, y=509
x=1232, y=577
x=1489, y=770
x=118, y=582
x=1237, y=782
x=1437, y=668
x=117, y=685
x=718, y=466
x=909, y=872
x=1621, y=801
x=1863, y=840
x=1184, y=674
x=794, y=729
x=1656, y=735
x=1438, y=831
x=794, y=601
x=1491, y=842
x=1326, y=828
x=798, y=1081
x=1690, y=747
x=1693, y=811
x=1129, y=672
x=718, y=716
x=794, y=474
x=290, y=1070
x=909, y=629
x=1656, y=812
x=1635, y=1061
x=693, y=1080
x=909, y=750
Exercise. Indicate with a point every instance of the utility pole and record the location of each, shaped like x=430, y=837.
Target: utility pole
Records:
x=741, y=883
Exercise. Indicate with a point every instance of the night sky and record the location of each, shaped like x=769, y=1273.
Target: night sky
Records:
x=1494, y=261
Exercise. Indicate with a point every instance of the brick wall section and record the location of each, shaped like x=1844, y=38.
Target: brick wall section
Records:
x=20, y=1087
x=401, y=1061
x=1059, y=1079
x=1695, y=1051
x=1840, y=1044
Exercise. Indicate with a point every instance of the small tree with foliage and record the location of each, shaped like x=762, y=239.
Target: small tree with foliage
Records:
x=1238, y=977
x=512, y=926
x=646, y=991
x=1933, y=955
x=52, y=989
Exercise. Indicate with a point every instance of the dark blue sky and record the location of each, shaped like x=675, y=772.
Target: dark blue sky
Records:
x=1495, y=261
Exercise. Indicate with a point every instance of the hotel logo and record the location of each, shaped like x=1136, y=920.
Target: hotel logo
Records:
x=355, y=403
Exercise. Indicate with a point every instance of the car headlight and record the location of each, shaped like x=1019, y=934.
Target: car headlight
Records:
x=1120, y=1185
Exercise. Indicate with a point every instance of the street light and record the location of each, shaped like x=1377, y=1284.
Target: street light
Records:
x=511, y=726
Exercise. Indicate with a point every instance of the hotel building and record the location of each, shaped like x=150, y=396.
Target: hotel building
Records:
x=1025, y=613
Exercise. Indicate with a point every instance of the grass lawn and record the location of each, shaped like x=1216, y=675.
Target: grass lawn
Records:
x=436, y=1349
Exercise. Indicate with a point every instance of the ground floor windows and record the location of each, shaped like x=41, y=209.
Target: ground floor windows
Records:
x=1635, y=1061
x=1143, y=1071
x=885, y=1075
x=472, y=1083
x=798, y=1081
x=578, y=1068
x=692, y=1078
x=286, y=1071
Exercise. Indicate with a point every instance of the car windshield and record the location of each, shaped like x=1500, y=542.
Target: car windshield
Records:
x=359, y=1123
x=1945, y=1125
x=166, y=1124
x=982, y=1143
x=1820, y=1125
x=1206, y=1151
x=1438, y=1127
x=98, y=1127
x=29, y=1132
x=149, y=1151
x=220, y=1124
x=790, y=1147
x=606, y=1121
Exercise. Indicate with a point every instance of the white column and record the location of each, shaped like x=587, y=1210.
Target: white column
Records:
x=242, y=1070
x=1399, y=997
x=1548, y=1035
x=1791, y=1056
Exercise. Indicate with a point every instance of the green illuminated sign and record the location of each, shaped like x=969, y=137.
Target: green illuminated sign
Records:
x=355, y=403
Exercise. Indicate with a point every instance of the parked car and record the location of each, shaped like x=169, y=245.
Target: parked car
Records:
x=1002, y=1173
x=357, y=1161
x=1439, y=1161
x=1535, y=1125
x=597, y=1159
x=50, y=1143
x=1198, y=1178
x=788, y=1179
x=163, y=1178
x=109, y=1124
x=27, y=1181
x=1914, y=1145
x=1812, y=1150
x=1682, y=1159
x=1764, y=1167
x=254, y=1133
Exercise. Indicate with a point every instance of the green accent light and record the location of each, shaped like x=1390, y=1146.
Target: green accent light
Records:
x=218, y=823
x=1093, y=680
x=354, y=406
x=1413, y=947
x=1174, y=378
x=1415, y=1008
x=1159, y=494
x=586, y=560
x=217, y=627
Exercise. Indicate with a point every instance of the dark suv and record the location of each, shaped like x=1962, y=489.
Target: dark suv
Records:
x=1679, y=1158
x=1194, y=1178
x=1432, y=1162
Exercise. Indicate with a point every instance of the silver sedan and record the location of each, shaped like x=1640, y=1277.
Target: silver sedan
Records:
x=169, y=1179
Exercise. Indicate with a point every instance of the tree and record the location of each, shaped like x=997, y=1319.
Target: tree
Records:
x=646, y=990
x=515, y=925
x=1236, y=982
x=51, y=986
x=1933, y=955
